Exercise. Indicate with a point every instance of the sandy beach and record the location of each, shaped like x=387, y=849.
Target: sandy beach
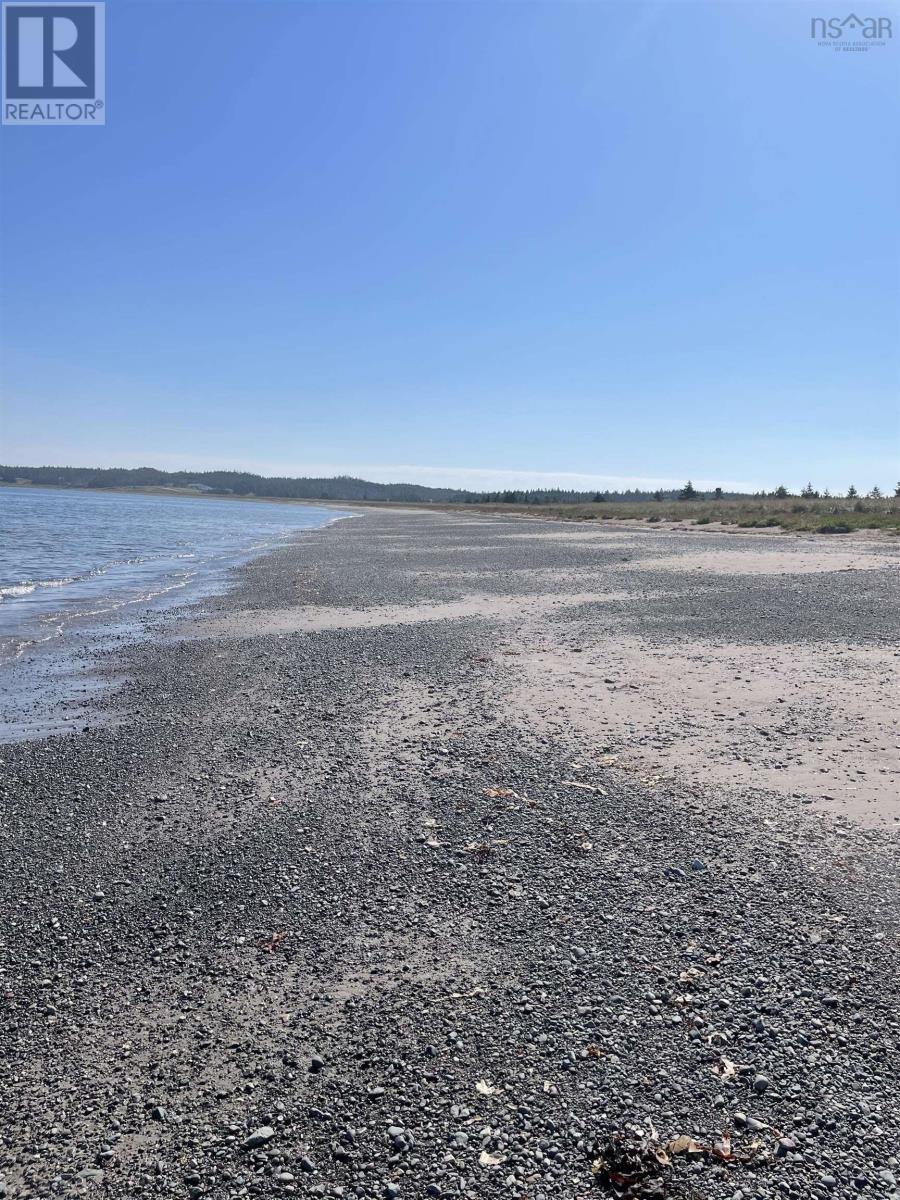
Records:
x=457, y=856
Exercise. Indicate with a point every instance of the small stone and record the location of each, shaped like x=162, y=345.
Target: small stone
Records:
x=316, y=1064
x=259, y=1137
x=91, y=1175
x=760, y=1083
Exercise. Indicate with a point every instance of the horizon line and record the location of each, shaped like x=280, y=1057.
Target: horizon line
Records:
x=459, y=478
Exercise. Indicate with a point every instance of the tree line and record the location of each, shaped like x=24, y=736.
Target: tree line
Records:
x=226, y=483
x=346, y=487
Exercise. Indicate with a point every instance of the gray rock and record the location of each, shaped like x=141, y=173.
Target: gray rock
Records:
x=259, y=1137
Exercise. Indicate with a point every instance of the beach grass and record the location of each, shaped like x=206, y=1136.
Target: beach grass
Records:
x=825, y=516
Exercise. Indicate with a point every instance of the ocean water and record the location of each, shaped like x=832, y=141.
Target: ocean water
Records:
x=68, y=558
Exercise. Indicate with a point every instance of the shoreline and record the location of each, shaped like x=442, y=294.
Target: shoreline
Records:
x=635, y=523
x=433, y=829
x=51, y=670
x=178, y=493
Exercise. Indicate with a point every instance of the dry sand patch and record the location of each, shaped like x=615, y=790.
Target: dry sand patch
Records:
x=815, y=721
x=757, y=561
x=312, y=618
x=820, y=722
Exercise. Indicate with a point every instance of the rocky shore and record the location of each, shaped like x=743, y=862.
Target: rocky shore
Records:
x=450, y=857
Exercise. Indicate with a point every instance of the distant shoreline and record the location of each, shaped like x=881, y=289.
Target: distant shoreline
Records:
x=180, y=493
x=879, y=518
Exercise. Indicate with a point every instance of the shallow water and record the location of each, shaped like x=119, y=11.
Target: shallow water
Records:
x=67, y=556
x=81, y=571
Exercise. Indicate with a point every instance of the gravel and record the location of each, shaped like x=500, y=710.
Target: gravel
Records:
x=319, y=916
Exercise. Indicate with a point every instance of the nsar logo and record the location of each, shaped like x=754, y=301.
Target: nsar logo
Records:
x=849, y=29
x=54, y=69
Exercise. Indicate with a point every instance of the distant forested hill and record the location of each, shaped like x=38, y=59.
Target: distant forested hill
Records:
x=341, y=487
x=226, y=483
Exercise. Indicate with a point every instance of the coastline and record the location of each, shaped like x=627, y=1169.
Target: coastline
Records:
x=477, y=837
x=635, y=522
x=180, y=493
x=48, y=679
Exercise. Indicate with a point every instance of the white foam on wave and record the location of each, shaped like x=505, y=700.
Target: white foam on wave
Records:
x=26, y=586
x=29, y=585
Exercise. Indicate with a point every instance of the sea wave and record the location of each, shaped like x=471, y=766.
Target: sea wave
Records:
x=29, y=585
x=74, y=561
x=26, y=586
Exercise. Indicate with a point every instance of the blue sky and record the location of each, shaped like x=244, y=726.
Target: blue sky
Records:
x=464, y=242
